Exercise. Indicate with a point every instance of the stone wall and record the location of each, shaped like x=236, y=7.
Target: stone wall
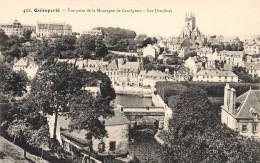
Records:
x=158, y=101
x=117, y=133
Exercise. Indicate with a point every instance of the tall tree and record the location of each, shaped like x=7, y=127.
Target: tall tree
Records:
x=197, y=135
x=58, y=88
x=86, y=111
x=11, y=82
x=100, y=48
x=27, y=35
x=54, y=85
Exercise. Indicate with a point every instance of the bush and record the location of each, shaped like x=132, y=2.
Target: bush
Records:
x=168, y=89
x=217, y=89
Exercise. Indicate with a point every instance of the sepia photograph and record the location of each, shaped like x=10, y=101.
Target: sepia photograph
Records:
x=130, y=81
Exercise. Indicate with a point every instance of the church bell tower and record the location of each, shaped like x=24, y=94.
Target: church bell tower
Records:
x=190, y=21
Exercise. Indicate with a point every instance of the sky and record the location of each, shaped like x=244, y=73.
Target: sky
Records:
x=220, y=17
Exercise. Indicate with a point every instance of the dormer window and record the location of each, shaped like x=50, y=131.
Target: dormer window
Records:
x=253, y=112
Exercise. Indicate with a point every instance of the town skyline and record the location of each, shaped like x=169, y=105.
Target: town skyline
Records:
x=236, y=17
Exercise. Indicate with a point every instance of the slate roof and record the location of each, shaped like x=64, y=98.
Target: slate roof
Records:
x=78, y=137
x=118, y=119
x=152, y=73
x=236, y=54
x=130, y=65
x=112, y=65
x=215, y=73
x=205, y=50
x=251, y=43
x=249, y=101
x=255, y=66
x=22, y=62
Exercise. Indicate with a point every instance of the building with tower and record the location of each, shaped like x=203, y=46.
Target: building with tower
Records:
x=190, y=30
x=16, y=28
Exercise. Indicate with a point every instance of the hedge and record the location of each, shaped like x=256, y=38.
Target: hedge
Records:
x=167, y=89
x=217, y=89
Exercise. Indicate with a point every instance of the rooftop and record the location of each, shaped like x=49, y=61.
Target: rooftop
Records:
x=118, y=119
x=215, y=73
x=249, y=102
x=112, y=65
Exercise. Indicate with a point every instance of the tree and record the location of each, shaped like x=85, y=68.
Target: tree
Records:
x=100, y=49
x=85, y=113
x=112, y=35
x=242, y=74
x=3, y=38
x=58, y=86
x=197, y=135
x=147, y=41
x=53, y=85
x=140, y=38
x=149, y=67
x=86, y=45
x=11, y=82
x=27, y=35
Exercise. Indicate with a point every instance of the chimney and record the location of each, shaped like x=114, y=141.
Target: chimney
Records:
x=226, y=96
x=232, y=105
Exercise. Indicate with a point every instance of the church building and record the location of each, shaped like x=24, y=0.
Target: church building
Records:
x=190, y=30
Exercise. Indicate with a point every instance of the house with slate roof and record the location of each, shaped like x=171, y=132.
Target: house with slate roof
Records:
x=149, y=78
x=79, y=142
x=253, y=69
x=28, y=65
x=242, y=113
x=112, y=72
x=128, y=73
x=252, y=47
x=212, y=75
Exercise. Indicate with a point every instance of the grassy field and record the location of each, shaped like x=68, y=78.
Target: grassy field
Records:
x=10, y=152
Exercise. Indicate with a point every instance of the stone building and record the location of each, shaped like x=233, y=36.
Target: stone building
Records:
x=234, y=58
x=252, y=47
x=52, y=29
x=28, y=65
x=128, y=73
x=94, y=32
x=112, y=72
x=253, y=69
x=215, y=76
x=117, y=142
x=190, y=30
x=242, y=113
x=16, y=28
x=149, y=78
x=149, y=51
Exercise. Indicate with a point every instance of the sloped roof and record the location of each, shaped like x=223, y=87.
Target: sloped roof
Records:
x=215, y=73
x=249, y=101
x=112, y=65
x=255, y=66
x=155, y=73
x=93, y=62
x=205, y=50
x=143, y=72
x=237, y=54
x=130, y=65
x=252, y=42
x=22, y=62
x=118, y=119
